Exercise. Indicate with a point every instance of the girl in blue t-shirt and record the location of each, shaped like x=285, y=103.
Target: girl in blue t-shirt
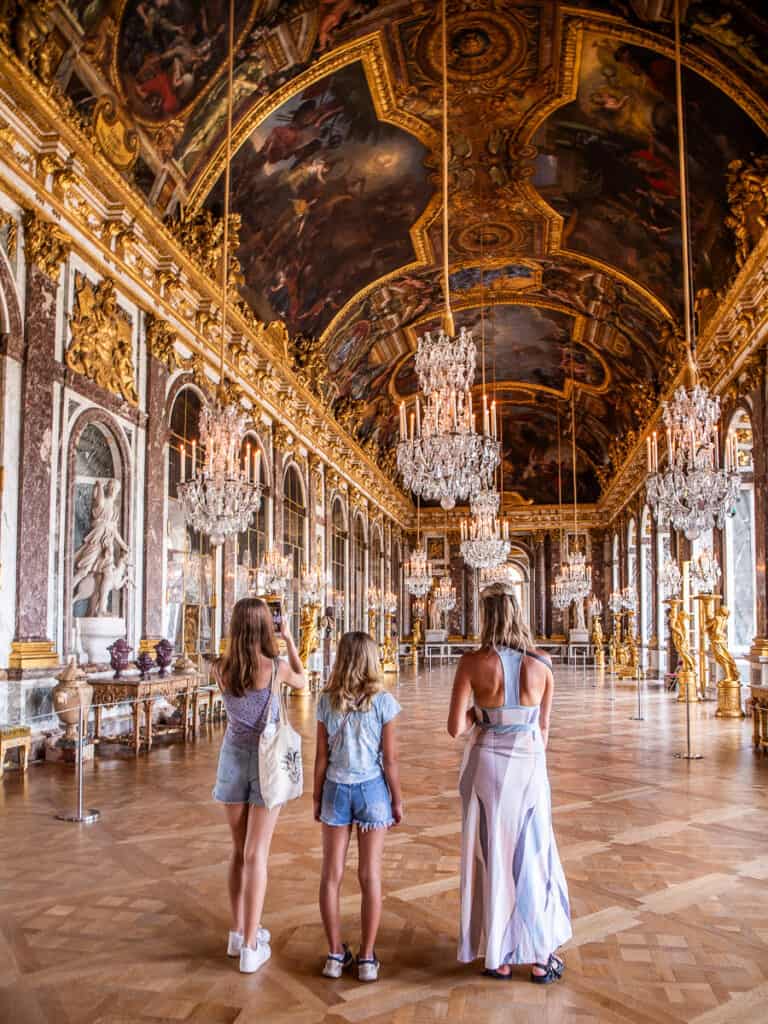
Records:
x=357, y=782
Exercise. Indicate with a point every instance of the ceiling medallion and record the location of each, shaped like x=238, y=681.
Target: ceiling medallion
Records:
x=481, y=44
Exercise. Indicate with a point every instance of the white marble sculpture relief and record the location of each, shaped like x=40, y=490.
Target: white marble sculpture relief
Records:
x=101, y=563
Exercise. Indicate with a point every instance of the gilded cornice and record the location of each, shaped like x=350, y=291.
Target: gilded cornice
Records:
x=96, y=213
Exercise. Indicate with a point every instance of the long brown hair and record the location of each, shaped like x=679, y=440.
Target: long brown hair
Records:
x=356, y=676
x=501, y=619
x=251, y=633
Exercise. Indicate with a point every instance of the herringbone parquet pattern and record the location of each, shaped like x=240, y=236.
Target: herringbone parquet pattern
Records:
x=124, y=922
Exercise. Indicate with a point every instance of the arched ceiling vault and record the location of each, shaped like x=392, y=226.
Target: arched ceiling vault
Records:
x=564, y=199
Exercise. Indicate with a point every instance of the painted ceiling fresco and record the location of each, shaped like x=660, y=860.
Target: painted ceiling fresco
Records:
x=564, y=194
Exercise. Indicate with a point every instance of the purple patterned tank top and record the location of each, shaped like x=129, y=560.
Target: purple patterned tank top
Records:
x=247, y=716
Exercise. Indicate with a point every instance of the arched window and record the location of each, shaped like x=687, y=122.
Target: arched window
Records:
x=251, y=543
x=615, y=568
x=357, y=610
x=376, y=557
x=663, y=555
x=632, y=555
x=339, y=561
x=739, y=589
x=294, y=532
x=190, y=570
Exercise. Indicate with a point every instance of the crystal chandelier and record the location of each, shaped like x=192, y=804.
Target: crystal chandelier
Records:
x=503, y=573
x=417, y=573
x=276, y=571
x=561, y=594
x=373, y=599
x=670, y=578
x=693, y=493
x=313, y=584
x=221, y=495
x=445, y=595
x=446, y=363
x=443, y=457
x=576, y=575
x=484, y=537
x=224, y=491
x=390, y=602
x=629, y=599
x=595, y=606
x=615, y=602
x=705, y=572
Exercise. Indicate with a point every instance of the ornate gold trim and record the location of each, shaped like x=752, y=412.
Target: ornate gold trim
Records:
x=45, y=244
x=101, y=346
x=33, y=654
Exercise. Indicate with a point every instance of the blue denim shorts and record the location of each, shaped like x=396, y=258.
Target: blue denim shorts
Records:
x=365, y=804
x=237, y=777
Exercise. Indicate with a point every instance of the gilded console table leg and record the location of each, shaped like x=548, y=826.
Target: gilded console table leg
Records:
x=148, y=722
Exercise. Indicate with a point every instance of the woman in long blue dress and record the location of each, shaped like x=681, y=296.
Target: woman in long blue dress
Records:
x=514, y=897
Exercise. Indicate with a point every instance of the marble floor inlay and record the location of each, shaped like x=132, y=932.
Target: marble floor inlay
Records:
x=125, y=921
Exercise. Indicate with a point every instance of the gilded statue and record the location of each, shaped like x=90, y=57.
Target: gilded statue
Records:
x=310, y=640
x=678, y=627
x=101, y=347
x=101, y=561
x=729, y=687
x=31, y=38
x=748, y=201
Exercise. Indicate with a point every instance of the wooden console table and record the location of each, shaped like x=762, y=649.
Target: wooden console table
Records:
x=760, y=716
x=180, y=689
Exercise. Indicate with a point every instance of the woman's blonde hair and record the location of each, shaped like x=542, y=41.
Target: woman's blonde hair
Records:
x=356, y=676
x=501, y=619
x=251, y=633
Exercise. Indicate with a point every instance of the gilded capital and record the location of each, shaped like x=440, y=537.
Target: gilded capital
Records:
x=284, y=440
x=161, y=341
x=45, y=245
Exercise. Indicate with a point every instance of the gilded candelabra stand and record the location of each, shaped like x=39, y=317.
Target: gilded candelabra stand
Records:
x=729, y=686
x=390, y=662
x=628, y=653
x=705, y=607
x=679, y=620
x=598, y=642
x=415, y=641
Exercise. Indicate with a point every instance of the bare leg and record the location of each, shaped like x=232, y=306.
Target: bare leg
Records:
x=335, y=846
x=261, y=825
x=370, y=846
x=237, y=819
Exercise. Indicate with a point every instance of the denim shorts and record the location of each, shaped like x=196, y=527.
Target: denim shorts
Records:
x=365, y=804
x=237, y=777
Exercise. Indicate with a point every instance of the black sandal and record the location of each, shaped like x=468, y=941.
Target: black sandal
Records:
x=553, y=971
x=497, y=975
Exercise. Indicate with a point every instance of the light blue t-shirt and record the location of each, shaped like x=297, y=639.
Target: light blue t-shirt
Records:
x=356, y=756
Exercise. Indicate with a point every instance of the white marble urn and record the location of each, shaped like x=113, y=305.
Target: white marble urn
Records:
x=97, y=633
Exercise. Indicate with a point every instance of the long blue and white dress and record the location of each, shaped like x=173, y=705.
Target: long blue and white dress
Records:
x=514, y=897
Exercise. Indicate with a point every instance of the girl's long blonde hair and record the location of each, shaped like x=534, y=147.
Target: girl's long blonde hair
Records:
x=501, y=619
x=356, y=677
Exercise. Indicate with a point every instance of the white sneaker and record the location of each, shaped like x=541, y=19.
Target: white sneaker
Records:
x=235, y=941
x=368, y=970
x=337, y=963
x=252, y=959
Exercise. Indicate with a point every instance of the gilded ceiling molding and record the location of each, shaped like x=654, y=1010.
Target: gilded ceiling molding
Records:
x=173, y=285
x=102, y=346
x=369, y=50
x=45, y=244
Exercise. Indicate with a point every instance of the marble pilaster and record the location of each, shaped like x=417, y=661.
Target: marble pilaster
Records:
x=153, y=598
x=32, y=645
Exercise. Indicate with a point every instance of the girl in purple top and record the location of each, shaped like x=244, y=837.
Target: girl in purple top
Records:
x=245, y=676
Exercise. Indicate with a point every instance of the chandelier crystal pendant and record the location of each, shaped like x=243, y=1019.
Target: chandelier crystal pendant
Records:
x=485, y=537
x=693, y=492
x=705, y=573
x=223, y=492
x=445, y=595
x=276, y=572
x=442, y=457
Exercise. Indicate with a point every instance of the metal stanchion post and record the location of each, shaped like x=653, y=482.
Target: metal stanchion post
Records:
x=687, y=754
x=639, y=717
x=81, y=816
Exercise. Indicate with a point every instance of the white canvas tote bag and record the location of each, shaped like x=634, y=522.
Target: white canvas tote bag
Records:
x=281, y=772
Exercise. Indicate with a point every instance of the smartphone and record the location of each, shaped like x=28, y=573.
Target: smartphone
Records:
x=277, y=615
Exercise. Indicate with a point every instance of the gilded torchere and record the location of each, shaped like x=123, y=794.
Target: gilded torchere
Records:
x=598, y=642
x=705, y=604
x=729, y=686
x=678, y=626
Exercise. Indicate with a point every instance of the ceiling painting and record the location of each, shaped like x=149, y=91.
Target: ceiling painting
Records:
x=734, y=33
x=524, y=345
x=328, y=195
x=607, y=163
x=168, y=51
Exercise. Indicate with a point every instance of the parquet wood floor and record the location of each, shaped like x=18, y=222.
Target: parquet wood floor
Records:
x=124, y=922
